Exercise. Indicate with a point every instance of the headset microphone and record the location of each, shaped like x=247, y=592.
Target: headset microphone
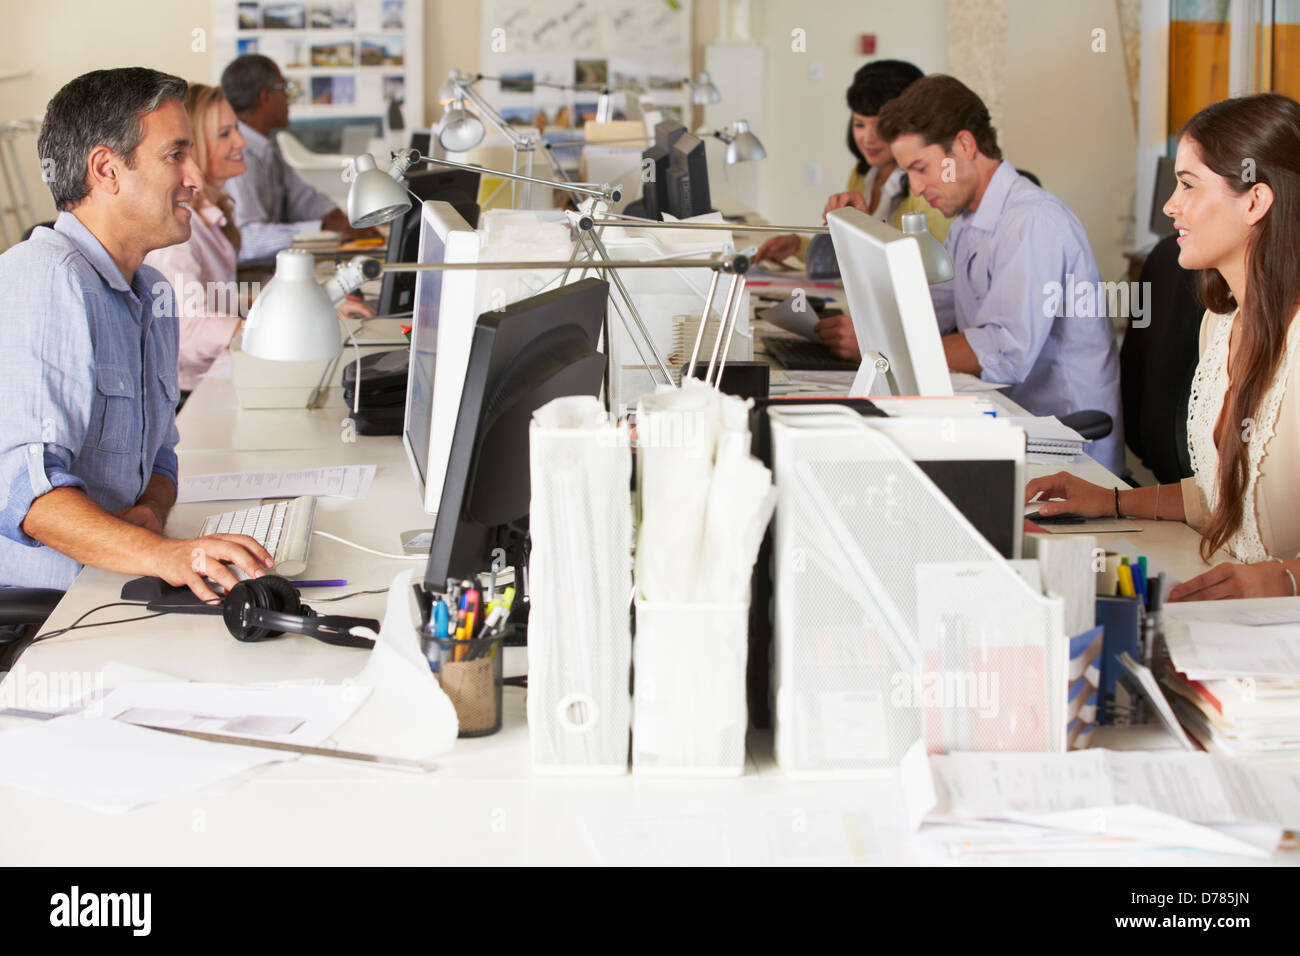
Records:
x=270, y=606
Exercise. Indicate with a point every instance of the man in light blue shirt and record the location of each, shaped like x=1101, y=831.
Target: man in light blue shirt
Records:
x=272, y=203
x=88, y=344
x=1015, y=312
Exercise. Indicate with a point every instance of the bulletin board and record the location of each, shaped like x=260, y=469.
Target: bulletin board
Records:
x=619, y=43
x=349, y=58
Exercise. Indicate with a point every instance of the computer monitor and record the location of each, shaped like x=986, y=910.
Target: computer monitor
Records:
x=441, y=329
x=688, y=178
x=1164, y=187
x=654, y=192
x=457, y=187
x=522, y=357
x=889, y=300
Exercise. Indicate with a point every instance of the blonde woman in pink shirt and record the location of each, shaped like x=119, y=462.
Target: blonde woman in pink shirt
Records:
x=202, y=270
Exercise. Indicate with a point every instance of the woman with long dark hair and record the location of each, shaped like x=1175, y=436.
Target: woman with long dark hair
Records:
x=1237, y=211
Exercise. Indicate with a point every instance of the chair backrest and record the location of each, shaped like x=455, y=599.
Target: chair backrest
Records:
x=1157, y=362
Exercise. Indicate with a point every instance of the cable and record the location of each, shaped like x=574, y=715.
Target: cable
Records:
x=344, y=597
x=362, y=547
x=75, y=625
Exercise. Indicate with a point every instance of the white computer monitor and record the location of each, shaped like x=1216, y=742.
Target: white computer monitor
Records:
x=889, y=300
x=442, y=330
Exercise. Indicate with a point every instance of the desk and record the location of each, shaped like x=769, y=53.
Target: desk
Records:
x=483, y=804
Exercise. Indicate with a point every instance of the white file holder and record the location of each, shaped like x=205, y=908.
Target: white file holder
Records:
x=580, y=577
x=895, y=620
x=689, y=713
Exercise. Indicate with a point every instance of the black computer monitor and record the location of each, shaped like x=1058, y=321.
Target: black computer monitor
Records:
x=457, y=187
x=522, y=356
x=654, y=194
x=688, y=178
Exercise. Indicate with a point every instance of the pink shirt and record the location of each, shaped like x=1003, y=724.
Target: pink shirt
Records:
x=202, y=276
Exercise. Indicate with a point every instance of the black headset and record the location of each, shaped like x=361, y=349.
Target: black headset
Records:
x=269, y=606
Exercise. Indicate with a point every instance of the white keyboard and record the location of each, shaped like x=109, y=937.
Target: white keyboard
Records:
x=283, y=528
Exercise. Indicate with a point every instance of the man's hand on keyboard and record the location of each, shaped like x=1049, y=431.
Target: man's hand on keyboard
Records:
x=188, y=562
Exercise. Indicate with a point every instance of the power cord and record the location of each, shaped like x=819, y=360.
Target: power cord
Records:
x=362, y=547
x=75, y=625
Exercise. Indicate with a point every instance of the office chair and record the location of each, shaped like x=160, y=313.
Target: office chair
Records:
x=31, y=229
x=1157, y=362
x=22, y=612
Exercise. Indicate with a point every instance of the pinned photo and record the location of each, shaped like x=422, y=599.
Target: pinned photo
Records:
x=383, y=51
x=333, y=16
x=334, y=90
x=334, y=54
x=284, y=16
x=249, y=16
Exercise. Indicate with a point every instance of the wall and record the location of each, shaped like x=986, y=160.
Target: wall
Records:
x=805, y=119
x=1067, y=116
x=55, y=40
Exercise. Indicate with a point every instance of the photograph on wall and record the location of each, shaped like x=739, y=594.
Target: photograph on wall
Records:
x=250, y=17
x=519, y=115
x=284, y=16
x=246, y=45
x=584, y=112
x=334, y=54
x=298, y=88
x=518, y=82
x=392, y=16
x=395, y=89
x=591, y=72
x=334, y=90
x=333, y=16
x=383, y=51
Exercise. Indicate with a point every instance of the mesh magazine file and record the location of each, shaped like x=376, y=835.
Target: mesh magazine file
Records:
x=895, y=620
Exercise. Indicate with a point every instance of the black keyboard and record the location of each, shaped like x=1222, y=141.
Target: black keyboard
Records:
x=801, y=355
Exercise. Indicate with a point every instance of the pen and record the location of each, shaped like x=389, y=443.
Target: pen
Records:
x=332, y=583
x=441, y=620
x=1125, y=576
x=1139, y=581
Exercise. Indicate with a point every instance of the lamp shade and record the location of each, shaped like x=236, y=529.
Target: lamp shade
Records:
x=743, y=145
x=935, y=258
x=461, y=130
x=374, y=197
x=703, y=92
x=292, y=320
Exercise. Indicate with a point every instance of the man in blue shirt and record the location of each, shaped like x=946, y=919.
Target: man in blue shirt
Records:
x=1010, y=313
x=88, y=345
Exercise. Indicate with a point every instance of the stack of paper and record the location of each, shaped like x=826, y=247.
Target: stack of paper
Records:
x=1045, y=435
x=1236, y=685
x=1117, y=800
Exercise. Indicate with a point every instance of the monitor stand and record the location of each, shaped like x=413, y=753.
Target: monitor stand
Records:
x=873, y=365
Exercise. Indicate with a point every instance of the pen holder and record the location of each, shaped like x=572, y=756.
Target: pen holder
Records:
x=473, y=683
x=688, y=699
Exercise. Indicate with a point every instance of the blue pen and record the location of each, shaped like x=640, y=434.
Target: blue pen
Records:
x=441, y=620
x=334, y=583
x=1140, y=581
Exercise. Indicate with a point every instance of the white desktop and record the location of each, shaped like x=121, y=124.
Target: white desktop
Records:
x=889, y=300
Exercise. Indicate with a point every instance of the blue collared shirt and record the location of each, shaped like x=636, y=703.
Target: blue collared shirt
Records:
x=88, y=394
x=1016, y=260
x=272, y=204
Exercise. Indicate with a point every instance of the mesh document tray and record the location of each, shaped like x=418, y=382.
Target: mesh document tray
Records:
x=895, y=619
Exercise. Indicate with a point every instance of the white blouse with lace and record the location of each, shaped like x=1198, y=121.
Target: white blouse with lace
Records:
x=1270, y=527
